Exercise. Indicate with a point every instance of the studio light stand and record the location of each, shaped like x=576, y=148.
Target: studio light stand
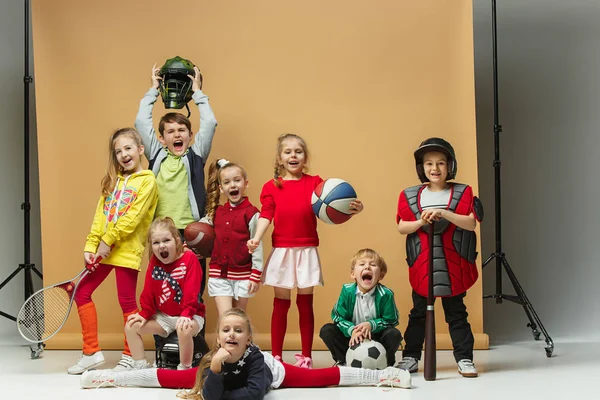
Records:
x=27, y=267
x=498, y=255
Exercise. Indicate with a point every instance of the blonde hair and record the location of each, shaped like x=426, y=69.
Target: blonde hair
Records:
x=212, y=185
x=114, y=168
x=165, y=224
x=278, y=167
x=371, y=254
x=196, y=391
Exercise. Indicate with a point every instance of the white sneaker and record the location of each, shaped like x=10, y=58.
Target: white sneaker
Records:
x=140, y=364
x=98, y=379
x=467, y=369
x=124, y=364
x=395, y=377
x=86, y=362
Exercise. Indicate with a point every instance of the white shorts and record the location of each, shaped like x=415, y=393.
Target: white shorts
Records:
x=168, y=322
x=291, y=267
x=276, y=368
x=228, y=287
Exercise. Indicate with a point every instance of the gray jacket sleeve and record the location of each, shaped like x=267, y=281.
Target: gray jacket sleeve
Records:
x=144, y=125
x=208, y=124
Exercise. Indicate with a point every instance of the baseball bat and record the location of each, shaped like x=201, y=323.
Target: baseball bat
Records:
x=430, y=346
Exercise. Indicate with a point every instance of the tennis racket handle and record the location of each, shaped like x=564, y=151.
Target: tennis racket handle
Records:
x=92, y=267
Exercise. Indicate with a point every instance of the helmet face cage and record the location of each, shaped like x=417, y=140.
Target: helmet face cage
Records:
x=439, y=145
x=175, y=86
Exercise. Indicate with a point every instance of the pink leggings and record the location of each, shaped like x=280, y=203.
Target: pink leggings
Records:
x=126, y=285
x=295, y=377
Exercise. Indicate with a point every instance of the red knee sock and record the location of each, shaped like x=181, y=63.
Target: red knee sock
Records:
x=174, y=379
x=302, y=378
x=307, y=322
x=279, y=325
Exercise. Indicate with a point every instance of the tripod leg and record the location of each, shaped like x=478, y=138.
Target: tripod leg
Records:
x=38, y=273
x=15, y=272
x=534, y=319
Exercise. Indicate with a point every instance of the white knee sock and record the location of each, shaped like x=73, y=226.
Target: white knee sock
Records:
x=140, y=378
x=358, y=376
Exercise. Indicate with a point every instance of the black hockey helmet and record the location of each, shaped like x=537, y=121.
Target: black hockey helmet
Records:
x=176, y=86
x=435, y=144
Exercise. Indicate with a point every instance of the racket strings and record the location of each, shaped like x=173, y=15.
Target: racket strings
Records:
x=44, y=313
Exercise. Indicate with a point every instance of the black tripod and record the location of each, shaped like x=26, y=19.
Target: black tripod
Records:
x=27, y=267
x=521, y=297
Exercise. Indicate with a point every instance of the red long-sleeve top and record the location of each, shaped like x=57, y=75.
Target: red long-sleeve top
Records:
x=173, y=288
x=289, y=207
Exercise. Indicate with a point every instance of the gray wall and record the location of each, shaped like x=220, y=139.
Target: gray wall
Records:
x=549, y=63
x=11, y=164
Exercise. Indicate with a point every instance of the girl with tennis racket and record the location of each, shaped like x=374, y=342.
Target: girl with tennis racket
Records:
x=117, y=237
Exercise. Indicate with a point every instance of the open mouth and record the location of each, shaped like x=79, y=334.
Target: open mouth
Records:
x=164, y=254
x=178, y=145
x=232, y=342
x=234, y=192
x=293, y=163
x=367, y=277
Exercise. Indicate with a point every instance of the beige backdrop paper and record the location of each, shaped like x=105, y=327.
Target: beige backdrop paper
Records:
x=363, y=82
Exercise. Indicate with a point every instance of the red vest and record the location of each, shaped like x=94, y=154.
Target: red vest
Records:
x=454, y=248
x=230, y=254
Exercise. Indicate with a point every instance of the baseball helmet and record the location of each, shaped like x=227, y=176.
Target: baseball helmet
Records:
x=435, y=144
x=175, y=86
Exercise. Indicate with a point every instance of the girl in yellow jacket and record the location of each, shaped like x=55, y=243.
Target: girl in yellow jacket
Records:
x=123, y=216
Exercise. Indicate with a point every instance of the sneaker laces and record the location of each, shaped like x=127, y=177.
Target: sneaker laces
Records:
x=303, y=361
x=104, y=380
x=390, y=377
x=467, y=363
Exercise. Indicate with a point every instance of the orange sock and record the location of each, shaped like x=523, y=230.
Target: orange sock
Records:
x=89, y=328
x=126, y=350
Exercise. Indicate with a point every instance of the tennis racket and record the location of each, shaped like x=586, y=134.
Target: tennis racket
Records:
x=45, y=312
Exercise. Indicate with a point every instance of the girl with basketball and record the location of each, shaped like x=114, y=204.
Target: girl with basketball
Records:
x=294, y=260
x=234, y=274
x=170, y=299
x=236, y=369
x=117, y=236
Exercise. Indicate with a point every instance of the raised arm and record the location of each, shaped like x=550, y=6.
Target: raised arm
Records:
x=143, y=119
x=208, y=122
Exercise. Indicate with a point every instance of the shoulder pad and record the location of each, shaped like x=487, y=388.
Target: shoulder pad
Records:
x=478, y=208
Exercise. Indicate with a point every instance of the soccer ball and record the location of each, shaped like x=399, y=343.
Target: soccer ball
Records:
x=368, y=354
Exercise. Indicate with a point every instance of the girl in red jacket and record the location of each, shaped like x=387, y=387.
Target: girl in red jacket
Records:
x=234, y=274
x=294, y=260
x=170, y=299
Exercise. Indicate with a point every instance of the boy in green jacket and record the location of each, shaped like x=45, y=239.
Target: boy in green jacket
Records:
x=365, y=310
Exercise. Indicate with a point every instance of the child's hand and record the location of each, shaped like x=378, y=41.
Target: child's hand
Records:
x=365, y=329
x=356, y=206
x=155, y=78
x=356, y=338
x=183, y=323
x=89, y=260
x=252, y=245
x=103, y=251
x=196, y=80
x=432, y=215
x=218, y=359
x=134, y=318
x=253, y=287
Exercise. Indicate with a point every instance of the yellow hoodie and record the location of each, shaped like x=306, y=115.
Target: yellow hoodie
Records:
x=123, y=219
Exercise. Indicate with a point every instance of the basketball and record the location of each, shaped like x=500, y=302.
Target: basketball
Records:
x=200, y=237
x=331, y=201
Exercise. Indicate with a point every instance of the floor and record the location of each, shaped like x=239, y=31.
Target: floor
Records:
x=515, y=371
